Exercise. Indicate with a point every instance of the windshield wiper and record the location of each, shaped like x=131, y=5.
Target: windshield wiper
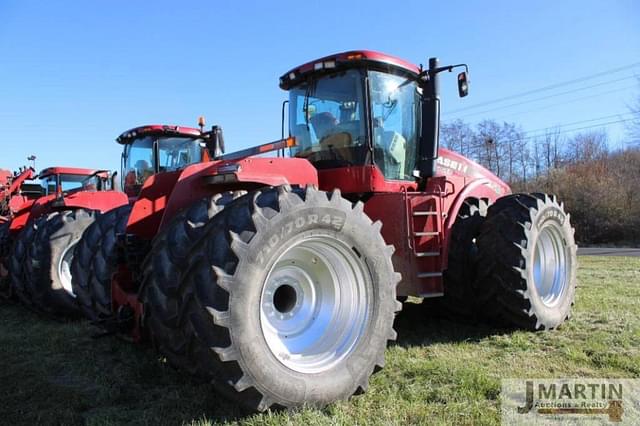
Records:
x=307, y=95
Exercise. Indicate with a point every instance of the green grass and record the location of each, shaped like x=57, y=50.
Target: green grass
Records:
x=439, y=372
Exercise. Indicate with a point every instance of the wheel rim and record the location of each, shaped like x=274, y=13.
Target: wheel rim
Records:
x=64, y=268
x=550, y=264
x=314, y=305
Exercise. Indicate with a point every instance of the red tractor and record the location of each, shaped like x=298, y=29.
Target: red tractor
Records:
x=278, y=279
x=151, y=153
x=45, y=230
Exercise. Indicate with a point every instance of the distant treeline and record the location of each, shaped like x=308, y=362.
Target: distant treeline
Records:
x=600, y=188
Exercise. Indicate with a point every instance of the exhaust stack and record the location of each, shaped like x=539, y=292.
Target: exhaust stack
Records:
x=430, y=132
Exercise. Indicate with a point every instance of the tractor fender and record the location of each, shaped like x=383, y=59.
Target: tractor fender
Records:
x=101, y=201
x=201, y=180
x=483, y=188
x=28, y=210
x=165, y=194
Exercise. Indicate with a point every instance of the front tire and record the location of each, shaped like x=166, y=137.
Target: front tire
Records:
x=49, y=261
x=527, y=262
x=17, y=259
x=288, y=299
x=163, y=265
x=95, y=261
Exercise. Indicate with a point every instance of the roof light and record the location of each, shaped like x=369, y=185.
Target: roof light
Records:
x=330, y=64
x=292, y=75
x=354, y=56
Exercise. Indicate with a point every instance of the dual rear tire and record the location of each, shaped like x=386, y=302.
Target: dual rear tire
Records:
x=47, y=263
x=288, y=299
x=526, y=267
x=513, y=264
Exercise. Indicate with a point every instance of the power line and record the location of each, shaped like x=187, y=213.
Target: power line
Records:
x=567, y=130
x=550, y=87
x=580, y=122
x=549, y=97
x=561, y=103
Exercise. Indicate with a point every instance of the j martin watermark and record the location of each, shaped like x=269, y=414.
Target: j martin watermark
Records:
x=570, y=401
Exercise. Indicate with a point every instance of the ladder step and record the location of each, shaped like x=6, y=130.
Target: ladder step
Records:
x=427, y=254
x=426, y=234
x=425, y=213
x=428, y=295
x=429, y=274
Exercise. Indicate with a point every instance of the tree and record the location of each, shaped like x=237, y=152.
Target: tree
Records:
x=634, y=126
x=587, y=147
x=502, y=149
x=458, y=136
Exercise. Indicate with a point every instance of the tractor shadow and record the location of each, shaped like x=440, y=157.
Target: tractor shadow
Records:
x=416, y=327
x=82, y=380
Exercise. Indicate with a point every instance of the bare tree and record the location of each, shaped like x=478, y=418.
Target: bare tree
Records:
x=551, y=149
x=502, y=148
x=457, y=136
x=587, y=147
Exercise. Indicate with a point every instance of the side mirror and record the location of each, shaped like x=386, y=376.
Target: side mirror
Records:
x=463, y=84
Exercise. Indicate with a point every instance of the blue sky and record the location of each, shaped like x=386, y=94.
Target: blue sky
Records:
x=73, y=75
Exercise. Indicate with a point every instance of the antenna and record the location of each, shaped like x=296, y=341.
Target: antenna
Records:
x=32, y=158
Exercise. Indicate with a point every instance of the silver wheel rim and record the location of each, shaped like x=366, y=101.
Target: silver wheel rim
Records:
x=315, y=304
x=550, y=264
x=64, y=268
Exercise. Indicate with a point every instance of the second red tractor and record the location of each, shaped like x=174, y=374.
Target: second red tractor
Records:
x=43, y=233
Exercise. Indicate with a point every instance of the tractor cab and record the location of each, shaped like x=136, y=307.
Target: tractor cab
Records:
x=67, y=180
x=158, y=148
x=365, y=110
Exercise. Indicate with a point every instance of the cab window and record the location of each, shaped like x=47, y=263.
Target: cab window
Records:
x=327, y=120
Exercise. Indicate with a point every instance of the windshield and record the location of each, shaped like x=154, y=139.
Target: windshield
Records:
x=69, y=183
x=49, y=184
x=140, y=161
x=327, y=119
x=394, y=113
x=175, y=153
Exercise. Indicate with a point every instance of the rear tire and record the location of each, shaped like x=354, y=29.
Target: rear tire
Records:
x=49, y=260
x=459, y=297
x=17, y=258
x=95, y=261
x=162, y=268
x=527, y=262
x=286, y=252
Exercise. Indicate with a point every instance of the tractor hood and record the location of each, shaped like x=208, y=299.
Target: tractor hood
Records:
x=451, y=163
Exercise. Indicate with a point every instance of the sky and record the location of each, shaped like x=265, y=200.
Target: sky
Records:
x=74, y=75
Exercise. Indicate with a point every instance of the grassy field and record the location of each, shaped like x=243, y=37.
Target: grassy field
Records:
x=440, y=372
